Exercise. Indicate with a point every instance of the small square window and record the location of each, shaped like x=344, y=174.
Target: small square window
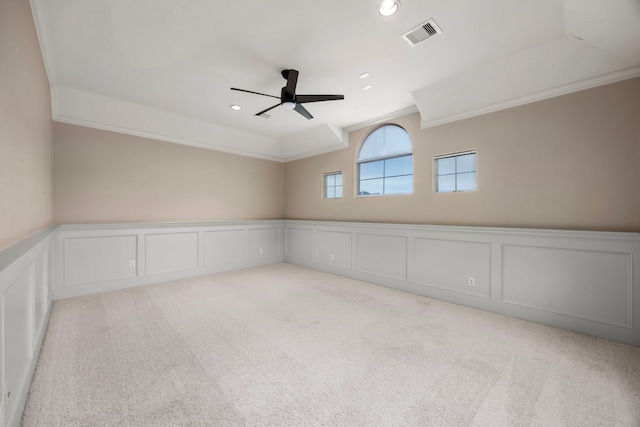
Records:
x=455, y=172
x=333, y=185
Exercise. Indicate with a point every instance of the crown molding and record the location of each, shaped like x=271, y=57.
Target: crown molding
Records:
x=615, y=76
x=44, y=38
x=382, y=119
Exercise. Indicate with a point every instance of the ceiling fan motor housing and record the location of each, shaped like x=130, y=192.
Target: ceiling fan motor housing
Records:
x=287, y=97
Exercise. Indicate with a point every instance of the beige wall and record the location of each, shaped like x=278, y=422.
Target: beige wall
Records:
x=103, y=177
x=570, y=162
x=25, y=127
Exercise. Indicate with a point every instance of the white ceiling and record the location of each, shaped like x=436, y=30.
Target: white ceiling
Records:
x=164, y=68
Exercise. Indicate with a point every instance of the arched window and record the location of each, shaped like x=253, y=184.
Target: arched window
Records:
x=385, y=162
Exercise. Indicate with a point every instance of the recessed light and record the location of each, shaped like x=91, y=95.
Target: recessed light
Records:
x=235, y=107
x=388, y=7
x=365, y=75
x=367, y=87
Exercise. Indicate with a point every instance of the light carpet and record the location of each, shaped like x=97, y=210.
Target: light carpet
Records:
x=282, y=345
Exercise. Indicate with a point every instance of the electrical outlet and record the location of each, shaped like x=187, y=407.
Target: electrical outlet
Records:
x=132, y=264
x=332, y=257
x=472, y=281
x=261, y=251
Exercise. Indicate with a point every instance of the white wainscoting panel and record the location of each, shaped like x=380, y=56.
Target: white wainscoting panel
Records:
x=591, y=285
x=587, y=282
x=382, y=255
x=25, y=304
x=224, y=247
x=584, y=281
x=448, y=264
x=98, y=259
x=334, y=248
x=169, y=252
x=19, y=332
x=265, y=243
x=42, y=292
x=299, y=243
x=161, y=252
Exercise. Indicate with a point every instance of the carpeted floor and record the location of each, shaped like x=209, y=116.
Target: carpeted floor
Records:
x=286, y=346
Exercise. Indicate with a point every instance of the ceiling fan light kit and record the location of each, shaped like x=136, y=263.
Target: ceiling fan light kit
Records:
x=288, y=97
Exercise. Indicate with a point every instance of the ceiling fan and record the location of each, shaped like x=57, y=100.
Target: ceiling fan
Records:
x=288, y=97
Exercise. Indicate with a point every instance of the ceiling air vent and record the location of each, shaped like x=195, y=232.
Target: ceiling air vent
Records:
x=422, y=32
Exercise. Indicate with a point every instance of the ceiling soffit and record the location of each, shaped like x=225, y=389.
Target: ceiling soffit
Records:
x=162, y=69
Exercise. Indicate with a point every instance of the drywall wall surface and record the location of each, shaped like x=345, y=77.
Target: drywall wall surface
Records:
x=107, y=177
x=570, y=162
x=25, y=127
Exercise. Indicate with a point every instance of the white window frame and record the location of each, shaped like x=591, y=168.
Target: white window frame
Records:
x=391, y=156
x=445, y=156
x=325, y=187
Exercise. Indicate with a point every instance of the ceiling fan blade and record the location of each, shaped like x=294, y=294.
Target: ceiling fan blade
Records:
x=300, y=109
x=255, y=93
x=292, y=81
x=301, y=99
x=270, y=108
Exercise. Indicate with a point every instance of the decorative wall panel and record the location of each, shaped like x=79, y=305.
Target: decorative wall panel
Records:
x=18, y=335
x=98, y=259
x=224, y=247
x=334, y=248
x=582, y=281
x=168, y=252
x=591, y=285
x=41, y=289
x=25, y=304
x=300, y=243
x=382, y=255
x=449, y=264
x=264, y=243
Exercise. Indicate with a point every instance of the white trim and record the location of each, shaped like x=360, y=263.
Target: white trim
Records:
x=453, y=155
x=18, y=258
x=96, y=282
x=151, y=135
x=312, y=153
x=382, y=119
x=15, y=261
x=504, y=285
x=461, y=153
x=324, y=185
x=44, y=37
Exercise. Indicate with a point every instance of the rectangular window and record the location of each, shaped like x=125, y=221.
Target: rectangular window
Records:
x=455, y=172
x=386, y=176
x=333, y=185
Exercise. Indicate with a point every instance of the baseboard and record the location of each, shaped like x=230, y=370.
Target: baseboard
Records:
x=115, y=285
